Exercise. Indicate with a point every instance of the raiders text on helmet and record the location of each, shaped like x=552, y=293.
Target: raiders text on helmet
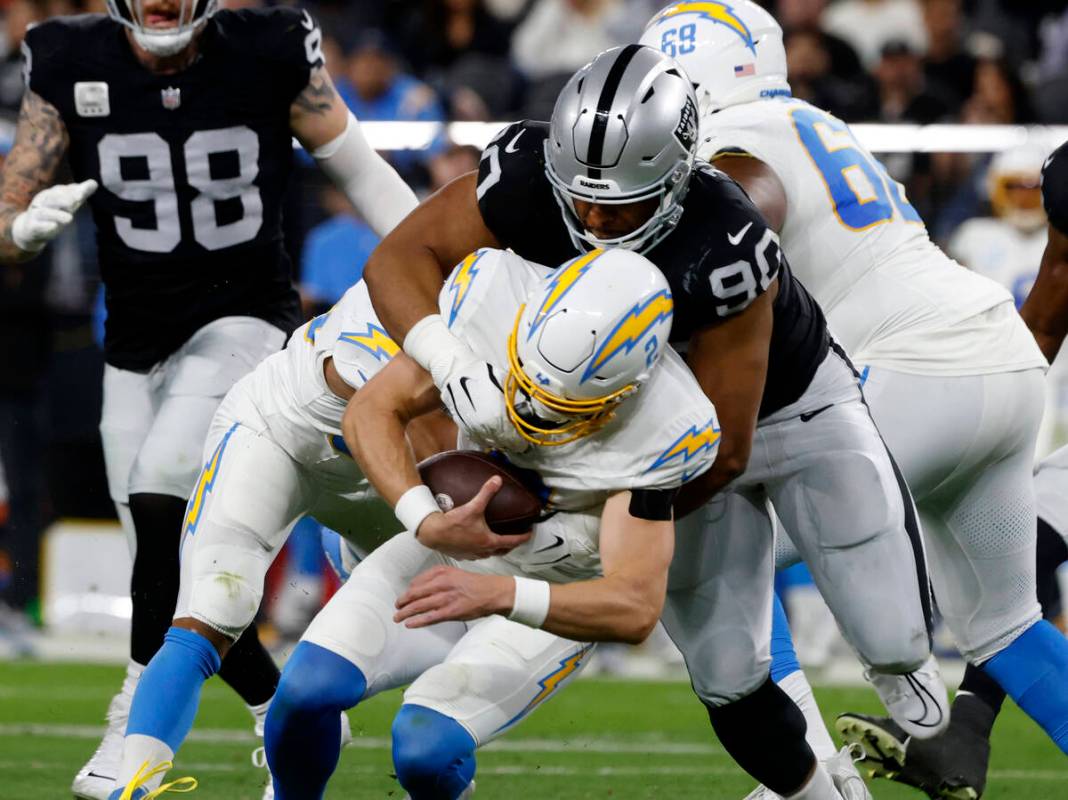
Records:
x=624, y=129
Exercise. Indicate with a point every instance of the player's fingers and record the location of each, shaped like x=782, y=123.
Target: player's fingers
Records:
x=478, y=503
x=420, y=606
x=86, y=189
x=48, y=218
x=510, y=542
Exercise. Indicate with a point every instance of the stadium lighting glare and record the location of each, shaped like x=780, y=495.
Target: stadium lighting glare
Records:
x=878, y=138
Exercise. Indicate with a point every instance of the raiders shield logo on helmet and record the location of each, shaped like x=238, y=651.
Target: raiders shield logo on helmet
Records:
x=686, y=132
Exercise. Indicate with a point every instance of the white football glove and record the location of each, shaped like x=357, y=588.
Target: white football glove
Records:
x=474, y=397
x=49, y=213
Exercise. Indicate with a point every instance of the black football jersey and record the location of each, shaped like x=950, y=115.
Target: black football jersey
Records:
x=192, y=168
x=719, y=258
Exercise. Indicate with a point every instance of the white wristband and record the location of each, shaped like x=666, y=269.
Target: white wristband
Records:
x=435, y=348
x=531, y=605
x=414, y=506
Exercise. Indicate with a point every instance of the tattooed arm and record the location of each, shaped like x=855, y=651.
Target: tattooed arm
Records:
x=41, y=141
x=322, y=123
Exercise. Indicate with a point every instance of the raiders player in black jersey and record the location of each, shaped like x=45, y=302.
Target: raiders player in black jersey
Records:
x=184, y=119
x=615, y=168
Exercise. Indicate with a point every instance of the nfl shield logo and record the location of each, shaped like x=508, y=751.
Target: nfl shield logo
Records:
x=172, y=98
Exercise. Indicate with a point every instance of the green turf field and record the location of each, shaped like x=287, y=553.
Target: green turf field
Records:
x=600, y=738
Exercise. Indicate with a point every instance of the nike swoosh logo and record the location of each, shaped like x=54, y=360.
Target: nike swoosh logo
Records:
x=559, y=541
x=510, y=147
x=738, y=236
x=922, y=690
x=463, y=385
x=818, y=411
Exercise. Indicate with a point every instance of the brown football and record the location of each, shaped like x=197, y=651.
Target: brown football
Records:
x=455, y=476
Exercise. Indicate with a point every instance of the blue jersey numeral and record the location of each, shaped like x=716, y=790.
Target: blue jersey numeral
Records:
x=862, y=191
x=679, y=41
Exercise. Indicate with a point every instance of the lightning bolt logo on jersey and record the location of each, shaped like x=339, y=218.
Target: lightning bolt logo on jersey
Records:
x=374, y=340
x=460, y=285
x=631, y=330
x=566, y=277
x=694, y=442
x=720, y=13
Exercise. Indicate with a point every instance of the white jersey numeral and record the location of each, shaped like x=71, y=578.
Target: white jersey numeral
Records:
x=494, y=174
x=159, y=187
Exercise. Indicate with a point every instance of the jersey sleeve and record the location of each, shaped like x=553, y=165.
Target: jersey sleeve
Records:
x=680, y=452
x=44, y=50
x=1055, y=188
x=739, y=257
x=360, y=345
x=513, y=191
x=289, y=42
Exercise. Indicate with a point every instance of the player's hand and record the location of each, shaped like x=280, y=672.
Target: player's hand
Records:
x=448, y=593
x=474, y=397
x=463, y=534
x=49, y=213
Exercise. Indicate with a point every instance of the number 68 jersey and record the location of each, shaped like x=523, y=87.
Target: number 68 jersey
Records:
x=192, y=167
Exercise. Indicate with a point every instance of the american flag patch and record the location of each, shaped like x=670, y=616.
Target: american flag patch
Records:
x=742, y=70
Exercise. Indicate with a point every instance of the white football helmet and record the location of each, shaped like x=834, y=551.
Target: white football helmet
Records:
x=1014, y=186
x=586, y=338
x=732, y=51
x=163, y=41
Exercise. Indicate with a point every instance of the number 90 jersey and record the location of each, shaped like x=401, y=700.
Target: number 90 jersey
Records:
x=890, y=295
x=192, y=167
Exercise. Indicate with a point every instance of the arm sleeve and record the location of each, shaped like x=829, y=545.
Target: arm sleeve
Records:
x=373, y=187
x=1055, y=188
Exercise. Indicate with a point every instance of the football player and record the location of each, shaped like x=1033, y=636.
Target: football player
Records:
x=184, y=119
x=613, y=423
x=273, y=455
x=615, y=168
x=953, y=377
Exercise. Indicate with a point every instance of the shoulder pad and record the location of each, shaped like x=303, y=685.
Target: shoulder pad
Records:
x=1055, y=188
x=51, y=47
x=287, y=41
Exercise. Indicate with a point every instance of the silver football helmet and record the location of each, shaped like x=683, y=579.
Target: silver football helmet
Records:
x=163, y=41
x=624, y=130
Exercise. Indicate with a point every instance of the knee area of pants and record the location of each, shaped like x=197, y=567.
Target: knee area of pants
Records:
x=224, y=601
x=314, y=681
x=165, y=472
x=426, y=744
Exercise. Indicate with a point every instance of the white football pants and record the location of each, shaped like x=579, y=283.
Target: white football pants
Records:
x=1051, y=490
x=153, y=424
x=488, y=675
x=822, y=466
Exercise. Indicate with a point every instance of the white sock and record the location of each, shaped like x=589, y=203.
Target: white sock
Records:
x=133, y=676
x=819, y=738
x=259, y=715
x=819, y=787
x=138, y=749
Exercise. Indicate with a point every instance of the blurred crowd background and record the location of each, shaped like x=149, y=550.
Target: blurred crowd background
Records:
x=919, y=61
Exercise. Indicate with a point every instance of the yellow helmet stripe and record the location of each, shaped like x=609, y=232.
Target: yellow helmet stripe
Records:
x=630, y=330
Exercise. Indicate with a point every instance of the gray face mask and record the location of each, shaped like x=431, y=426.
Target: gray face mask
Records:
x=162, y=41
x=624, y=130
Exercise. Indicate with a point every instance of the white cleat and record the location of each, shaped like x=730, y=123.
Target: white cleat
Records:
x=259, y=755
x=96, y=780
x=843, y=774
x=916, y=700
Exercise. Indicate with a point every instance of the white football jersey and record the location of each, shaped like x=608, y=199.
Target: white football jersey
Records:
x=660, y=437
x=891, y=296
x=1001, y=252
x=289, y=392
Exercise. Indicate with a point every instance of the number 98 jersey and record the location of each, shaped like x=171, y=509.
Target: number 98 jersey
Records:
x=192, y=168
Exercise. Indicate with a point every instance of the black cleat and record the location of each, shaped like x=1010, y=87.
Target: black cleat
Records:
x=951, y=766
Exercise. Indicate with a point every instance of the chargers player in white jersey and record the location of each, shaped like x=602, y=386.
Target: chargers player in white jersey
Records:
x=615, y=422
x=274, y=454
x=954, y=379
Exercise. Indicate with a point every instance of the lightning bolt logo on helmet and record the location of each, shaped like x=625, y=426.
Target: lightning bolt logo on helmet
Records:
x=374, y=340
x=566, y=277
x=688, y=446
x=460, y=286
x=720, y=13
x=630, y=330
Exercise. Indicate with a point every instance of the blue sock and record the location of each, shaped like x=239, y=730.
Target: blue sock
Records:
x=433, y=754
x=783, y=657
x=168, y=693
x=304, y=550
x=1033, y=670
x=303, y=733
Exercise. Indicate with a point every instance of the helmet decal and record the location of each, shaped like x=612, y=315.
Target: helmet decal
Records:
x=630, y=330
x=718, y=12
x=565, y=278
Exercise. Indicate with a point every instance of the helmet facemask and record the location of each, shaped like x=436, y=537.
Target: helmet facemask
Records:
x=162, y=41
